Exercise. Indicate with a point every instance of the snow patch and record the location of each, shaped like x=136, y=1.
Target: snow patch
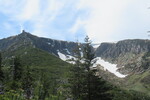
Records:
x=108, y=66
x=49, y=43
x=62, y=56
x=65, y=57
x=96, y=45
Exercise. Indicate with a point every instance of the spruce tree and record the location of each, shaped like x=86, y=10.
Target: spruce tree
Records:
x=88, y=56
x=44, y=87
x=95, y=88
x=27, y=83
x=1, y=75
x=85, y=84
x=17, y=71
x=76, y=74
x=1, y=71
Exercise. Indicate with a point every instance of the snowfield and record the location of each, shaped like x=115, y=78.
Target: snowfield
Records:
x=96, y=45
x=65, y=57
x=108, y=66
x=62, y=56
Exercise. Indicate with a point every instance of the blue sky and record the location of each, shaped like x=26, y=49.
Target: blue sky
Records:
x=101, y=20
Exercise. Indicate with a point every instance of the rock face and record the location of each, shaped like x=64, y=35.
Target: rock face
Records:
x=49, y=45
x=130, y=55
x=122, y=47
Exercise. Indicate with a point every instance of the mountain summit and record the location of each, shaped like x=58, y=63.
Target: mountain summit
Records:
x=130, y=56
x=128, y=59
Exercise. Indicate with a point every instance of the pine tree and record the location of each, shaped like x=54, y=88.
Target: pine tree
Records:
x=88, y=56
x=95, y=87
x=44, y=86
x=1, y=71
x=85, y=84
x=1, y=76
x=76, y=74
x=17, y=71
x=27, y=83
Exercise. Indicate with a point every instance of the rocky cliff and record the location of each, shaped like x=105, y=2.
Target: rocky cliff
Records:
x=26, y=39
x=129, y=55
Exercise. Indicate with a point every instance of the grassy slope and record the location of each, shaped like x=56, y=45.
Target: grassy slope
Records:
x=131, y=88
x=54, y=67
x=38, y=60
x=139, y=82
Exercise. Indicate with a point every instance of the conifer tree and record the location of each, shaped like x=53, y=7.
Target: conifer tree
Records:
x=17, y=71
x=1, y=72
x=44, y=86
x=27, y=83
x=85, y=84
x=1, y=75
x=95, y=87
x=76, y=76
x=88, y=56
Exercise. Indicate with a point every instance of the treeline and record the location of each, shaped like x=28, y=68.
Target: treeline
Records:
x=80, y=82
x=19, y=82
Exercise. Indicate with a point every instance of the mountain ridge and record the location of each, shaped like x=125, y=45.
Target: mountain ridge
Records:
x=122, y=53
x=132, y=57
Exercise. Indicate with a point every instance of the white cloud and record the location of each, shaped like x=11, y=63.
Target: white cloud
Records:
x=78, y=24
x=31, y=9
x=48, y=14
x=103, y=18
x=37, y=12
x=106, y=17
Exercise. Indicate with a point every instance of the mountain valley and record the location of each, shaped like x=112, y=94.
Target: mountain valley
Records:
x=129, y=58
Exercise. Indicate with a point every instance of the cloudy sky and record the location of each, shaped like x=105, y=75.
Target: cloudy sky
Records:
x=101, y=20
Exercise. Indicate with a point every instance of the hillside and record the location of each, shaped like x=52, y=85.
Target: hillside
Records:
x=129, y=55
x=131, y=58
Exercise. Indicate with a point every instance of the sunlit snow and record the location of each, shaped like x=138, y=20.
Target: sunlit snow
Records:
x=107, y=66
x=49, y=43
x=110, y=67
x=62, y=56
x=96, y=45
x=65, y=57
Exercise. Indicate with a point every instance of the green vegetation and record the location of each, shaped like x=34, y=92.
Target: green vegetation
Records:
x=34, y=74
x=139, y=82
x=28, y=73
x=122, y=94
x=84, y=84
